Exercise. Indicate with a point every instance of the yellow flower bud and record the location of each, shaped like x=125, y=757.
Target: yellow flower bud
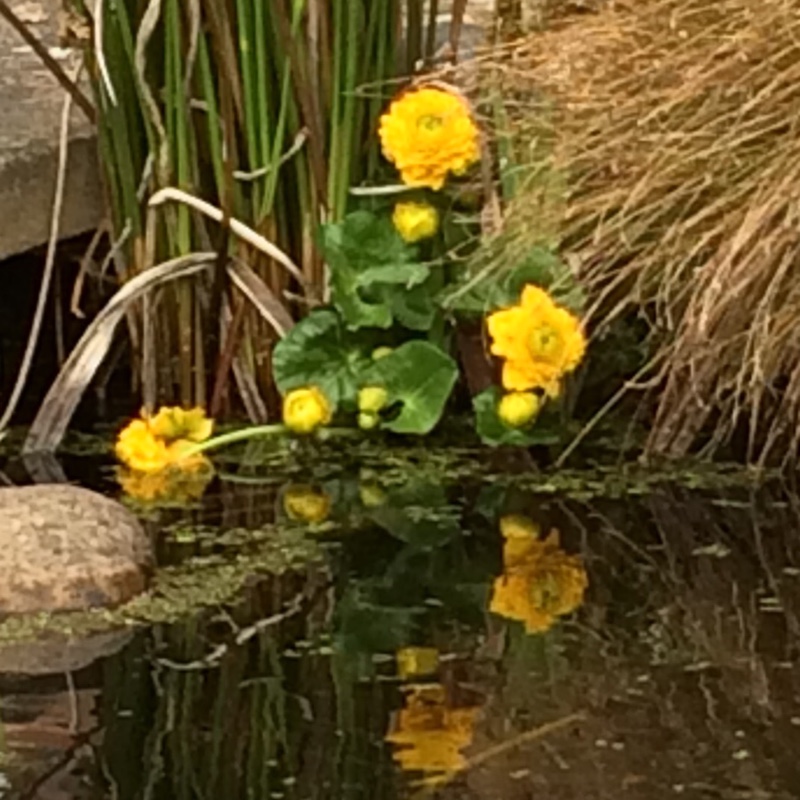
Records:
x=306, y=504
x=304, y=410
x=367, y=420
x=372, y=496
x=371, y=399
x=381, y=352
x=518, y=409
x=415, y=221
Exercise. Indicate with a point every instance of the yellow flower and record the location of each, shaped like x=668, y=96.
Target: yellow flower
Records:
x=306, y=504
x=415, y=221
x=415, y=661
x=540, y=582
x=152, y=444
x=372, y=399
x=304, y=410
x=428, y=736
x=172, y=422
x=428, y=133
x=178, y=486
x=518, y=409
x=179, y=456
x=539, y=341
x=140, y=449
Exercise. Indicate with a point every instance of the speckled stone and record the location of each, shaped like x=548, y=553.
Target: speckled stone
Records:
x=66, y=548
x=30, y=116
x=59, y=655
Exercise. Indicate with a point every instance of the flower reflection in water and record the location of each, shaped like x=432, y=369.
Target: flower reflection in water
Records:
x=170, y=486
x=540, y=582
x=304, y=503
x=428, y=736
x=413, y=662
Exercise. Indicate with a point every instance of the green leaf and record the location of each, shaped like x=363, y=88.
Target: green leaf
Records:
x=318, y=351
x=420, y=377
x=414, y=308
x=375, y=276
x=493, y=431
x=489, y=289
x=364, y=625
x=409, y=275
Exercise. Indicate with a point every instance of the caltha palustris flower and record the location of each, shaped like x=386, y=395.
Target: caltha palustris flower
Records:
x=539, y=341
x=428, y=134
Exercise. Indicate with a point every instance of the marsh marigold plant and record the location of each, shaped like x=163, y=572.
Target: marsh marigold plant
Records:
x=429, y=133
x=540, y=342
x=540, y=582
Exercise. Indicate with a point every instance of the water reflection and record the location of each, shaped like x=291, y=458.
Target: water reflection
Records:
x=167, y=487
x=429, y=735
x=304, y=503
x=540, y=582
x=452, y=642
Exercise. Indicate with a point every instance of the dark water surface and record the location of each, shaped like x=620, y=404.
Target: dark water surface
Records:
x=441, y=641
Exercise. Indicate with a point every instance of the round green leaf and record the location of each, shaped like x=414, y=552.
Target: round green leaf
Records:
x=420, y=377
x=319, y=351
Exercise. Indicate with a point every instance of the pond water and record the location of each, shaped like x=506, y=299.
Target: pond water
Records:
x=433, y=633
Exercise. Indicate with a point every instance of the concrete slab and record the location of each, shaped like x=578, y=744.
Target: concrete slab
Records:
x=30, y=113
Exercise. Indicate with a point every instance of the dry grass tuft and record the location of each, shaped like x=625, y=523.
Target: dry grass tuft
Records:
x=675, y=127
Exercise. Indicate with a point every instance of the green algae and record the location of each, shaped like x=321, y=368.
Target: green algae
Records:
x=635, y=480
x=282, y=460
x=231, y=557
x=180, y=592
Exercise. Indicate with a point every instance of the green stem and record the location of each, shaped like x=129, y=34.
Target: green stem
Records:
x=243, y=435
x=256, y=432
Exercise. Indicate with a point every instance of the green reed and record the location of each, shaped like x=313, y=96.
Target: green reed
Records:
x=266, y=110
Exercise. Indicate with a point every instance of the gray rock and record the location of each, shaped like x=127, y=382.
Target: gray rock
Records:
x=59, y=655
x=30, y=113
x=66, y=548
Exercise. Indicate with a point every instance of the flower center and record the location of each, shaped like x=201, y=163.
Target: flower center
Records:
x=430, y=122
x=545, y=594
x=544, y=342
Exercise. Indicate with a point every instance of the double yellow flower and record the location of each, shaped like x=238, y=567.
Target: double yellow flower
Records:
x=427, y=134
x=151, y=444
x=540, y=343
